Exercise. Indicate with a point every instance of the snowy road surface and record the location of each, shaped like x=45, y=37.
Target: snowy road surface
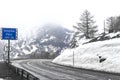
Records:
x=46, y=70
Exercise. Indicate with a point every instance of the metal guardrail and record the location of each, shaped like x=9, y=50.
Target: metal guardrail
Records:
x=22, y=73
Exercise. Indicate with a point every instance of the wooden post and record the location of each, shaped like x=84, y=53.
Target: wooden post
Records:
x=73, y=59
x=104, y=27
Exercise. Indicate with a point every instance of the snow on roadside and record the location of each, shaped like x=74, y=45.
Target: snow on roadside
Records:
x=87, y=56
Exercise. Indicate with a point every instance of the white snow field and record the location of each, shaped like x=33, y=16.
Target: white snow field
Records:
x=88, y=56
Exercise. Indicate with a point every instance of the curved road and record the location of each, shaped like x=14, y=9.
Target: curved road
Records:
x=46, y=70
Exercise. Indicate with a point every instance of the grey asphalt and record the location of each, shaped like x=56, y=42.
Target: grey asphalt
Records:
x=52, y=71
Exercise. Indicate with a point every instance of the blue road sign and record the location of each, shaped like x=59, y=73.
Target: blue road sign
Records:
x=9, y=34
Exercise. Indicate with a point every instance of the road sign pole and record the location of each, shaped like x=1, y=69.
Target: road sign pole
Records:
x=9, y=34
x=8, y=51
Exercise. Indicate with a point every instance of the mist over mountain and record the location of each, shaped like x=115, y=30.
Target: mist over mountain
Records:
x=48, y=42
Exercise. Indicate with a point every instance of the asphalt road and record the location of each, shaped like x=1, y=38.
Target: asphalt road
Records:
x=50, y=71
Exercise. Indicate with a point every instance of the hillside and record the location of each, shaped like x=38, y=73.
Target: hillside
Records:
x=48, y=42
x=100, y=54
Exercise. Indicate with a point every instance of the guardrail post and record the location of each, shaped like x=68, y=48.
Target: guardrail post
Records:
x=22, y=73
x=36, y=78
x=17, y=71
x=27, y=76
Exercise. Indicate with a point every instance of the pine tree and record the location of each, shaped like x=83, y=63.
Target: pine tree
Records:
x=73, y=43
x=86, y=25
x=111, y=24
x=117, y=24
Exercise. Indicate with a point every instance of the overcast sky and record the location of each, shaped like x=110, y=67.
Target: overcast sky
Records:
x=27, y=15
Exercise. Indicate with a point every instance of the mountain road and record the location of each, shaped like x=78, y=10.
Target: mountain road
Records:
x=46, y=70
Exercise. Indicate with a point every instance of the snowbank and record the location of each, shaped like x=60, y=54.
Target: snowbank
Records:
x=89, y=55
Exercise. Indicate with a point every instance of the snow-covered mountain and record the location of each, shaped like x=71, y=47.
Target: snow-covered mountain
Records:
x=101, y=53
x=48, y=42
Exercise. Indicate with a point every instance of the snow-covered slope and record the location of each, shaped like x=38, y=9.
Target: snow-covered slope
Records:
x=100, y=55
